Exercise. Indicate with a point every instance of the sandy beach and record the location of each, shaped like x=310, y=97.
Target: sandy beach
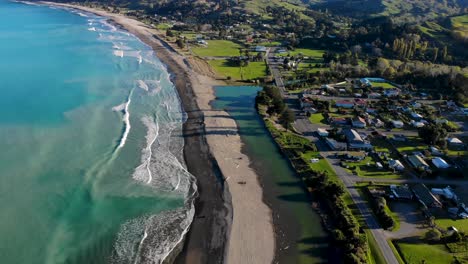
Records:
x=232, y=224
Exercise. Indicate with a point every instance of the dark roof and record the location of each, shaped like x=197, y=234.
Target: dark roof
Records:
x=425, y=196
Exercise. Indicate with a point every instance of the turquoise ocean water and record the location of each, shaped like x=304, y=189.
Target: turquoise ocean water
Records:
x=91, y=167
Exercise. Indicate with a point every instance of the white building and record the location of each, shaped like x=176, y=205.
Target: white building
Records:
x=322, y=132
x=397, y=123
x=396, y=164
x=440, y=163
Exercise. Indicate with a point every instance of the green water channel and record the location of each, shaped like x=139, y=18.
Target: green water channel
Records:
x=301, y=237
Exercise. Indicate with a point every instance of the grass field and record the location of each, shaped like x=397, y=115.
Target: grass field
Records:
x=384, y=85
x=460, y=22
x=460, y=224
x=321, y=165
x=423, y=253
x=410, y=145
x=253, y=71
x=218, y=48
x=367, y=168
x=317, y=118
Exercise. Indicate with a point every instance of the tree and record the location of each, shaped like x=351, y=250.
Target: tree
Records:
x=287, y=118
x=180, y=43
x=169, y=33
x=382, y=64
x=433, y=134
x=433, y=235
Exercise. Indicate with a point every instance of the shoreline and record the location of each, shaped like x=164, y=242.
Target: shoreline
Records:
x=211, y=140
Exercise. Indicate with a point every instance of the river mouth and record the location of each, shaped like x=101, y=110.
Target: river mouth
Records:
x=300, y=237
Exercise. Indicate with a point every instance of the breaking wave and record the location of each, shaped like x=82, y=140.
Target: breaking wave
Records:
x=126, y=120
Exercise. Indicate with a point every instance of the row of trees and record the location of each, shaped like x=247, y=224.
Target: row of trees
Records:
x=346, y=232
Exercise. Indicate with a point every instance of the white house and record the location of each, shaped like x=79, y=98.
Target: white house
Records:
x=416, y=116
x=322, y=132
x=440, y=163
x=396, y=164
x=397, y=123
x=454, y=142
x=417, y=124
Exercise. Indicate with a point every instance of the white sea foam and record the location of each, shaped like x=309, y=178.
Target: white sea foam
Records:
x=118, y=108
x=92, y=29
x=82, y=14
x=126, y=119
x=143, y=85
x=119, y=53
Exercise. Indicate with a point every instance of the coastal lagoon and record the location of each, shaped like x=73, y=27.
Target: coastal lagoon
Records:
x=91, y=160
x=302, y=238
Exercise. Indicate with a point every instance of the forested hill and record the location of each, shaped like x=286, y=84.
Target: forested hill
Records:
x=400, y=10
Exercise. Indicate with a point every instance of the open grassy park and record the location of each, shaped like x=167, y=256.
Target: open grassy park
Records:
x=384, y=85
x=418, y=252
x=218, y=48
x=253, y=70
x=321, y=165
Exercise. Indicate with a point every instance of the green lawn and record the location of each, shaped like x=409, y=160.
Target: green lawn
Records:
x=218, y=48
x=253, y=71
x=367, y=168
x=384, y=85
x=312, y=54
x=321, y=165
x=317, y=118
x=460, y=224
x=423, y=253
x=410, y=145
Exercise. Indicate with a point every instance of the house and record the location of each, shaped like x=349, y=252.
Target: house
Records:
x=415, y=116
x=360, y=102
x=455, y=142
x=306, y=102
x=322, y=132
x=396, y=165
x=401, y=192
x=415, y=104
x=202, y=42
x=446, y=192
x=425, y=196
x=371, y=110
x=417, y=124
x=355, y=140
x=374, y=95
x=344, y=104
x=355, y=155
x=440, y=163
x=441, y=121
x=378, y=123
x=338, y=121
x=358, y=122
x=435, y=151
x=417, y=162
x=397, y=123
x=335, y=145
x=392, y=92
x=260, y=49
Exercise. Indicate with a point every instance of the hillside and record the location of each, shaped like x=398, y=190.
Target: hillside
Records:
x=401, y=10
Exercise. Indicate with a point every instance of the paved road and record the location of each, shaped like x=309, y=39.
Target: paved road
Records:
x=372, y=224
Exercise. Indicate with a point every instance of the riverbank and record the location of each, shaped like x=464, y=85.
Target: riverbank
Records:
x=213, y=154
